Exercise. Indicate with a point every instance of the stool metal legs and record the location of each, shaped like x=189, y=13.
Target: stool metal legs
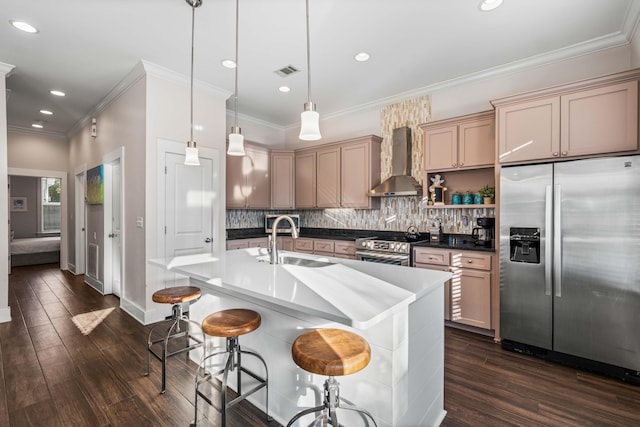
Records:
x=174, y=332
x=233, y=362
x=328, y=409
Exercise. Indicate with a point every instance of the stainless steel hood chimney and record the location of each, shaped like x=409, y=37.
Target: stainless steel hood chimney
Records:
x=400, y=183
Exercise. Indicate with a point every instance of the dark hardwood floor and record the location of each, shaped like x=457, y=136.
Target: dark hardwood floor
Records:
x=89, y=372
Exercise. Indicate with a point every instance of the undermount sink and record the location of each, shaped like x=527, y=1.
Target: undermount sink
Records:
x=301, y=262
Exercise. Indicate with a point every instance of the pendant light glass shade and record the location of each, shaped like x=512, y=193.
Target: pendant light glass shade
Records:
x=191, y=156
x=236, y=142
x=309, y=118
x=191, y=151
x=310, y=123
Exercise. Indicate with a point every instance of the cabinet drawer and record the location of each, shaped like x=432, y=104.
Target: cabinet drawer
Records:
x=258, y=242
x=345, y=248
x=325, y=246
x=430, y=256
x=474, y=260
x=302, y=244
x=237, y=244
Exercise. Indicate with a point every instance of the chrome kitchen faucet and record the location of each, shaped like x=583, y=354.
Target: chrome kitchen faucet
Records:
x=273, y=249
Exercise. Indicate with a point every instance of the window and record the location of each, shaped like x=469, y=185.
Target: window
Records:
x=49, y=205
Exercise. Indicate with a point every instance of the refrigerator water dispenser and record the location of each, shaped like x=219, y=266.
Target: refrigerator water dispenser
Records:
x=524, y=245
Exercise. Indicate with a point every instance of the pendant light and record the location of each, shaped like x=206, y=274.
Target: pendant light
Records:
x=236, y=140
x=309, y=118
x=191, y=151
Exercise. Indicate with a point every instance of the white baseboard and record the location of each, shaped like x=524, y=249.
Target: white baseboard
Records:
x=72, y=268
x=135, y=311
x=5, y=314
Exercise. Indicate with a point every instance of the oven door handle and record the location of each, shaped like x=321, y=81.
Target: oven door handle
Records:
x=381, y=255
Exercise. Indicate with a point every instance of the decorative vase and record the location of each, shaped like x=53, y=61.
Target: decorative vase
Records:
x=467, y=199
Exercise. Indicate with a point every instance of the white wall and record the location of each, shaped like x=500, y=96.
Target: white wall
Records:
x=30, y=150
x=168, y=119
x=257, y=131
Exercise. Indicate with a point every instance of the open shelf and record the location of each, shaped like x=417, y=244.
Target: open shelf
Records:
x=459, y=206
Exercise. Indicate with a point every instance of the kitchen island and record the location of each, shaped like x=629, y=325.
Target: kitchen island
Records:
x=398, y=310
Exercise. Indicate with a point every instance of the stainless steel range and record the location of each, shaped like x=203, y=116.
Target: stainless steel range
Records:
x=392, y=250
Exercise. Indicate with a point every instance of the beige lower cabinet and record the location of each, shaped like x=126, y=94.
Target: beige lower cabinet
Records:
x=435, y=259
x=256, y=242
x=471, y=289
x=303, y=244
x=284, y=243
x=468, y=294
x=323, y=247
x=344, y=249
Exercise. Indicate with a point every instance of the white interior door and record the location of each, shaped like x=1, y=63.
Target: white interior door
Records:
x=188, y=206
x=113, y=230
x=80, y=221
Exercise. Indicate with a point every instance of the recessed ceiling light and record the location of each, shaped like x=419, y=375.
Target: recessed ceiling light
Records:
x=362, y=57
x=487, y=5
x=284, y=89
x=229, y=63
x=47, y=112
x=58, y=93
x=23, y=26
x=37, y=125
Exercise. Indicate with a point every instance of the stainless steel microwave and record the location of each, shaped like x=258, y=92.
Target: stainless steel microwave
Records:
x=283, y=226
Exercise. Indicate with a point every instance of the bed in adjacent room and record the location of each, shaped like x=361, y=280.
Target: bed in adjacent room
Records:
x=37, y=250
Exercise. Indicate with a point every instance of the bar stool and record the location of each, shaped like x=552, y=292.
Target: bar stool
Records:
x=177, y=296
x=331, y=352
x=230, y=324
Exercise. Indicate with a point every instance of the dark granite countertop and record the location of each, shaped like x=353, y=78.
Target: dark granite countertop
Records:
x=449, y=241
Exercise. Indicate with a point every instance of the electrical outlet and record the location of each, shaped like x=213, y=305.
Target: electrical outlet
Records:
x=140, y=222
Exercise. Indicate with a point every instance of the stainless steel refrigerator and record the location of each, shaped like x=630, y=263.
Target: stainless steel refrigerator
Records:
x=570, y=258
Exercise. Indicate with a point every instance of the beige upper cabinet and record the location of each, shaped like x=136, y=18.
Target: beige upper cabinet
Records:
x=282, y=180
x=248, y=182
x=305, y=182
x=460, y=143
x=571, y=121
x=338, y=174
x=328, y=177
x=360, y=172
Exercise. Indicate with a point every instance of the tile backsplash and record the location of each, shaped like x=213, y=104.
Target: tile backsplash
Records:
x=395, y=214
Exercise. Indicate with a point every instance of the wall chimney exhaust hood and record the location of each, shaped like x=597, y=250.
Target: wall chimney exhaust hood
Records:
x=400, y=183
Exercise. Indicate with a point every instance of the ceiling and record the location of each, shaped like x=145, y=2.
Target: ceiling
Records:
x=85, y=47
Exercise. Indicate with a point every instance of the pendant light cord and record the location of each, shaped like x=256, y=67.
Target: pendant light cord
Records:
x=308, y=59
x=194, y=4
x=236, y=70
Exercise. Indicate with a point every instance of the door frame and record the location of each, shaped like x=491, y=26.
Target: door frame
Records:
x=164, y=147
x=80, y=220
x=107, y=159
x=38, y=173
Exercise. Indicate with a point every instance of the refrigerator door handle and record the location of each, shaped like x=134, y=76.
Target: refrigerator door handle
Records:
x=557, y=239
x=548, y=249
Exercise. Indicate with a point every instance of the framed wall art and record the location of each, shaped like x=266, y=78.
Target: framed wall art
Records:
x=18, y=204
x=95, y=186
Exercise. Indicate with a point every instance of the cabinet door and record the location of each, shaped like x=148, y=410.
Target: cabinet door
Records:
x=323, y=247
x=601, y=120
x=345, y=249
x=447, y=286
x=305, y=180
x=303, y=244
x=328, y=178
x=236, y=182
x=355, y=180
x=282, y=181
x=476, y=144
x=237, y=244
x=529, y=131
x=259, y=179
x=284, y=243
x=441, y=148
x=471, y=297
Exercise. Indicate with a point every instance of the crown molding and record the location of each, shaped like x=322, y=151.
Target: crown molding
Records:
x=40, y=133
x=173, y=76
x=579, y=49
x=244, y=119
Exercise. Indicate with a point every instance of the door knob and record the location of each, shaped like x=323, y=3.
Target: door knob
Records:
x=208, y=240
x=113, y=235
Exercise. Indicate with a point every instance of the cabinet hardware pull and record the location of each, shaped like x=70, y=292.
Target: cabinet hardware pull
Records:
x=564, y=153
x=555, y=154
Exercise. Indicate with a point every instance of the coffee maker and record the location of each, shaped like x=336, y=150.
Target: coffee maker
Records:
x=484, y=233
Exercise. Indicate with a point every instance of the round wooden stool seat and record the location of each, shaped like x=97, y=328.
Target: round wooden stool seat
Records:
x=231, y=323
x=331, y=352
x=176, y=295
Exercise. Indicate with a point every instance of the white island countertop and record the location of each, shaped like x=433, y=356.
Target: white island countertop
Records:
x=355, y=293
